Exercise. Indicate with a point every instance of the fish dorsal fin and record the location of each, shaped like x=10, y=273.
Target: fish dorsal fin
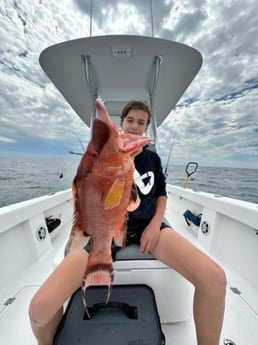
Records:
x=114, y=195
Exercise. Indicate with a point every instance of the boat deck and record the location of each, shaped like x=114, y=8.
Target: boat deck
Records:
x=240, y=324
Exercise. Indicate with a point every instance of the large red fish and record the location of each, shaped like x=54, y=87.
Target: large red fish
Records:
x=104, y=192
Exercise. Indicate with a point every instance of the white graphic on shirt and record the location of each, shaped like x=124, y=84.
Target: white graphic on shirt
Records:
x=144, y=182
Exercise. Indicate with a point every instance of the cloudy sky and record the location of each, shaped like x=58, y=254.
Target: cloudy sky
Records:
x=218, y=127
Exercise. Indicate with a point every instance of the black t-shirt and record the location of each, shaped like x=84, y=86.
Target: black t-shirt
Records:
x=151, y=184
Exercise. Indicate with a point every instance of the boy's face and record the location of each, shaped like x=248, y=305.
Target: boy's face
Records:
x=135, y=122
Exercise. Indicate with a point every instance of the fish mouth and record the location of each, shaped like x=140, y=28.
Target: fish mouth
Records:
x=102, y=115
x=104, y=128
x=101, y=133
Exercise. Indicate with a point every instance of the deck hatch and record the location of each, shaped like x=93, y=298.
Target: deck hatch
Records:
x=235, y=290
x=9, y=301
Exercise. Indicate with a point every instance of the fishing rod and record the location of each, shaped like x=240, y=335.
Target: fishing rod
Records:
x=75, y=153
x=170, y=150
x=74, y=133
x=169, y=155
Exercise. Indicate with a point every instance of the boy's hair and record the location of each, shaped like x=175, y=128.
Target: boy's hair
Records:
x=139, y=105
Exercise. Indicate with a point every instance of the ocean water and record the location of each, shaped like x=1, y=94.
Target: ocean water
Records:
x=25, y=178
x=237, y=183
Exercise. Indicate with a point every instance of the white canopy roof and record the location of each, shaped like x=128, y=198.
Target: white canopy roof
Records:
x=120, y=68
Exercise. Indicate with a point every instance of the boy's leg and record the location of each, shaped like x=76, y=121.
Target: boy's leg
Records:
x=46, y=307
x=207, y=277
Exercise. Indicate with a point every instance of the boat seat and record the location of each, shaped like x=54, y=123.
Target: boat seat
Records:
x=131, y=252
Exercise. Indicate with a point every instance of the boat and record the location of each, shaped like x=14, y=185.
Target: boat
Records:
x=33, y=233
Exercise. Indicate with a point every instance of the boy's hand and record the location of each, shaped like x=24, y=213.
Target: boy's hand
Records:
x=149, y=238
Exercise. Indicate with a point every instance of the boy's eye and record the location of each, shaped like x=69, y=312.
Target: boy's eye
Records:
x=139, y=123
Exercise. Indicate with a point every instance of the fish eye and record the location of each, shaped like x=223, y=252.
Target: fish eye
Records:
x=94, y=154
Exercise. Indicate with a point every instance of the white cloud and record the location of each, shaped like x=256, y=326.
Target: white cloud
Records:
x=6, y=139
x=216, y=120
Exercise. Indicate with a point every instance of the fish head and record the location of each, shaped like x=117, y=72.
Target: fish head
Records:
x=125, y=143
x=109, y=153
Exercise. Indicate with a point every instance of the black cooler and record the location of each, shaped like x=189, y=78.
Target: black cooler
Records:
x=129, y=318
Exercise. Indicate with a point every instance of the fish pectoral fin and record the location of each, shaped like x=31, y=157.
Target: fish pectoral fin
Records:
x=115, y=193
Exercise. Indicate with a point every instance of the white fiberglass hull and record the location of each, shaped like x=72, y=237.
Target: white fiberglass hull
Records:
x=231, y=240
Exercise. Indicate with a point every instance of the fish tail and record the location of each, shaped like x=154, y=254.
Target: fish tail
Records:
x=98, y=274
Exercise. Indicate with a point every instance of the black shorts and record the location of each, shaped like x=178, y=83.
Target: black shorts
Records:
x=133, y=236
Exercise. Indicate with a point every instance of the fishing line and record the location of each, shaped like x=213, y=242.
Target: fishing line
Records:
x=61, y=174
x=74, y=133
x=169, y=155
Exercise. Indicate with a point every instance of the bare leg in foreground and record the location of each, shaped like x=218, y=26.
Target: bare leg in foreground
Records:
x=207, y=277
x=46, y=307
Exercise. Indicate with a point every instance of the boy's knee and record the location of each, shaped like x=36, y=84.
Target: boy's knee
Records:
x=37, y=311
x=218, y=277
